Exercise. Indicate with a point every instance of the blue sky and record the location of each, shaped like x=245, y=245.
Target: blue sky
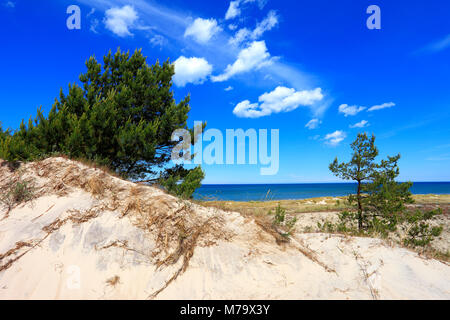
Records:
x=259, y=64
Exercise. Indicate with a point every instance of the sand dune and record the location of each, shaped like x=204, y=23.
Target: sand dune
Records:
x=89, y=235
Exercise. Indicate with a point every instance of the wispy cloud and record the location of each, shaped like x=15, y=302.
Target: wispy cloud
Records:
x=94, y=25
x=233, y=10
x=350, y=110
x=443, y=157
x=381, y=106
x=436, y=46
x=10, y=4
x=158, y=41
x=354, y=110
x=172, y=24
x=313, y=124
x=245, y=34
x=90, y=13
x=411, y=125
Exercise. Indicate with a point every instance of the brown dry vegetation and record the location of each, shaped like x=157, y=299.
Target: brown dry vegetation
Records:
x=314, y=210
x=173, y=224
x=176, y=227
x=320, y=204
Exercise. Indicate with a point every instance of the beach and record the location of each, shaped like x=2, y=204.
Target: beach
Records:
x=89, y=235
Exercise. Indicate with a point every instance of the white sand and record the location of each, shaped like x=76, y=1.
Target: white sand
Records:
x=232, y=259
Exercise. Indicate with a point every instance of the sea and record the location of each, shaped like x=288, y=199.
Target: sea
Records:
x=267, y=192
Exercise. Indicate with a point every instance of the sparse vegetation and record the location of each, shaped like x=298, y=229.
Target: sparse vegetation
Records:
x=283, y=223
x=379, y=205
x=15, y=192
x=113, y=281
x=418, y=230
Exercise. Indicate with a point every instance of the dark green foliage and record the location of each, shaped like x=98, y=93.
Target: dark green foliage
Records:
x=380, y=201
x=379, y=198
x=360, y=168
x=282, y=222
x=4, y=136
x=385, y=199
x=122, y=116
x=182, y=182
x=419, y=232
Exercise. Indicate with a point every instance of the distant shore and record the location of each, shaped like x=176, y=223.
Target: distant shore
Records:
x=299, y=191
x=317, y=204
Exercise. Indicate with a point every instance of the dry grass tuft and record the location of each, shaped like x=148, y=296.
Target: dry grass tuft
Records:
x=96, y=185
x=113, y=281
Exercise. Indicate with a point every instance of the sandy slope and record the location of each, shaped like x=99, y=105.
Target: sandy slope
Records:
x=88, y=235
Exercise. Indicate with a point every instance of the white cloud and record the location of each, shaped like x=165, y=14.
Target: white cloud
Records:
x=171, y=22
x=245, y=34
x=350, y=110
x=382, y=106
x=281, y=99
x=233, y=10
x=232, y=27
x=191, y=70
x=240, y=36
x=361, y=124
x=202, y=30
x=158, y=41
x=253, y=57
x=229, y=88
x=120, y=20
x=333, y=139
x=313, y=124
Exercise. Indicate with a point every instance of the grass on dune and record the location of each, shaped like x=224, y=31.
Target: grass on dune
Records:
x=320, y=204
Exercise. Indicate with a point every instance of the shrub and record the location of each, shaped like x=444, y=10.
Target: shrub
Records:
x=282, y=223
x=419, y=231
x=16, y=192
x=184, y=188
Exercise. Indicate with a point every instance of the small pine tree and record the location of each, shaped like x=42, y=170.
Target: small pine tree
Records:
x=380, y=199
x=360, y=168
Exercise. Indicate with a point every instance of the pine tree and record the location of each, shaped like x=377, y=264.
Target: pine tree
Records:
x=122, y=116
x=361, y=168
x=385, y=200
x=380, y=200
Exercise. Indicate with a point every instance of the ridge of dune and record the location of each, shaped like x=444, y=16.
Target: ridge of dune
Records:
x=89, y=235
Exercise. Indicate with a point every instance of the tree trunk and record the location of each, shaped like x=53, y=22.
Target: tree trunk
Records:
x=358, y=197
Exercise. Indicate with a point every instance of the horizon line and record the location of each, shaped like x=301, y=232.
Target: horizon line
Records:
x=281, y=183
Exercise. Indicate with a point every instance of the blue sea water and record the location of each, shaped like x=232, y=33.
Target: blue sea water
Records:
x=261, y=192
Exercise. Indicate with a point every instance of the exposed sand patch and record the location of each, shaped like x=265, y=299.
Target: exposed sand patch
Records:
x=88, y=235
